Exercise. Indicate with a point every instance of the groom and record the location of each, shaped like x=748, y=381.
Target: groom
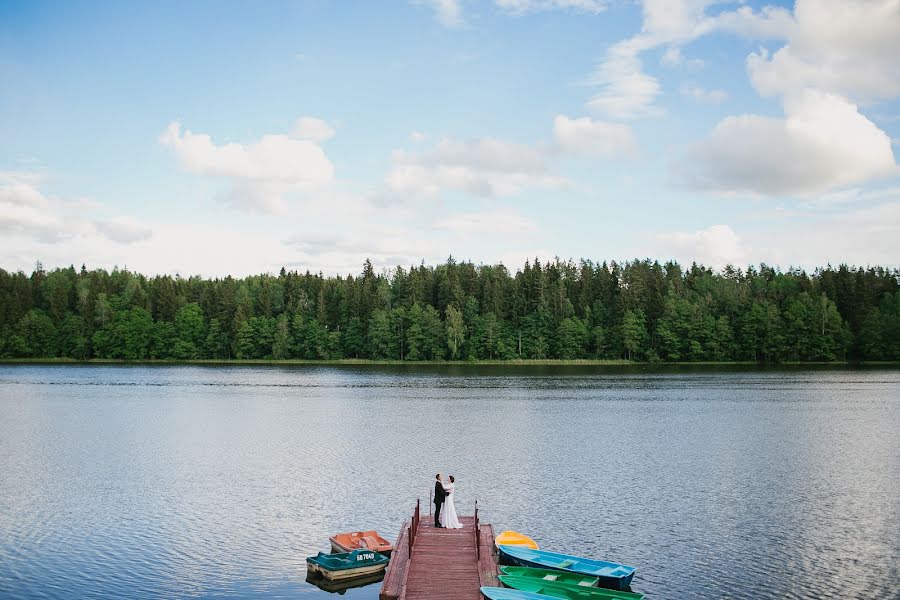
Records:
x=439, y=495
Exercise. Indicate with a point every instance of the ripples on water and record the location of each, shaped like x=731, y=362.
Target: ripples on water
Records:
x=143, y=482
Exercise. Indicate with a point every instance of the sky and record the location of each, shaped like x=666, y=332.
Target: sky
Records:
x=216, y=138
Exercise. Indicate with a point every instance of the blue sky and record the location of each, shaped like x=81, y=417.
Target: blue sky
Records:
x=235, y=137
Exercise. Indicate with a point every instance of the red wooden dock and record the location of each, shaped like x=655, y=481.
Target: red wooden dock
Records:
x=431, y=563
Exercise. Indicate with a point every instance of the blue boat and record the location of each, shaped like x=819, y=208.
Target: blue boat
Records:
x=611, y=575
x=498, y=593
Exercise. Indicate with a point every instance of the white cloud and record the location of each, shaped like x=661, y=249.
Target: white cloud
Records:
x=824, y=142
x=261, y=172
x=483, y=223
x=312, y=129
x=125, y=230
x=703, y=95
x=345, y=252
x=485, y=167
x=520, y=7
x=447, y=12
x=715, y=246
x=626, y=91
x=417, y=137
x=864, y=236
x=848, y=47
x=598, y=138
x=26, y=213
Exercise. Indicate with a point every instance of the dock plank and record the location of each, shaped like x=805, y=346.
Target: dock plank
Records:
x=444, y=563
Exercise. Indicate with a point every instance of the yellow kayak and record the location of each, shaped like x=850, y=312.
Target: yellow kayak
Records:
x=514, y=538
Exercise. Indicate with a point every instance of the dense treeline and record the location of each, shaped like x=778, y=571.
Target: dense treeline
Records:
x=639, y=310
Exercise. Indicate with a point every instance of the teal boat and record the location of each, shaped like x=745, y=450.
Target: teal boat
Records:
x=565, y=591
x=498, y=593
x=346, y=565
x=551, y=575
x=340, y=586
x=610, y=575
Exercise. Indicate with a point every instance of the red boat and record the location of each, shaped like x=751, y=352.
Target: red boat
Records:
x=360, y=540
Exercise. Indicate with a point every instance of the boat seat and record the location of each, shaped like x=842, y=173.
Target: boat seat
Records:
x=369, y=542
x=550, y=577
x=565, y=564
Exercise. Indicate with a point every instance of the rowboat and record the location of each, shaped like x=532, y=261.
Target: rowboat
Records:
x=551, y=575
x=346, y=564
x=610, y=575
x=566, y=591
x=360, y=540
x=514, y=538
x=498, y=593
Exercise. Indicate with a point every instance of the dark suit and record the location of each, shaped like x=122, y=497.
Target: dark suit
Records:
x=439, y=495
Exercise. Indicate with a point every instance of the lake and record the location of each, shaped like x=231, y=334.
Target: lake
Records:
x=146, y=481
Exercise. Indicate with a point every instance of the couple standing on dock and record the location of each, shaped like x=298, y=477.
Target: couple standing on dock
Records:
x=444, y=507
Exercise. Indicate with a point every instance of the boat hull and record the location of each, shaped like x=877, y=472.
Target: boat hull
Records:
x=347, y=565
x=514, y=538
x=360, y=540
x=498, y=593
x=566, y=591
x=509, y=557
x=344, y=573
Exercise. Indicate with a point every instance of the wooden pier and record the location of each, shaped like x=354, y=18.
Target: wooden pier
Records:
x=429, y=563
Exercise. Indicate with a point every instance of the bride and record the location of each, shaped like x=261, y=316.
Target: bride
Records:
x=448, y=512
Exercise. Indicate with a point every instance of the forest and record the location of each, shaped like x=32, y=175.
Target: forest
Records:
x=639, y=310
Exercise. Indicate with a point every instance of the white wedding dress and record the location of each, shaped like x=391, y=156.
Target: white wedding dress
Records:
x=448, y=511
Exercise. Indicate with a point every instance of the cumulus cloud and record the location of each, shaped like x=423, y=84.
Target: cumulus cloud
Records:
x=345, y=252
x=587, y=136
x=495, y=222
x=837, y=53
x=847, y=47
x=125, y=230
x=627, y=92
x=312, y=129
x=261, y=173
x=484, y=167
x=864, y=236
x=28, y=213
x=703, y=95
x=823, y=142
x=715, y=246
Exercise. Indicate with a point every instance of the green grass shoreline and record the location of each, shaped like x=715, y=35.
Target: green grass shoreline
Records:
x=463, y=363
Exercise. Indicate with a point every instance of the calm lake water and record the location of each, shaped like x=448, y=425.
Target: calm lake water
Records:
x=146, y=482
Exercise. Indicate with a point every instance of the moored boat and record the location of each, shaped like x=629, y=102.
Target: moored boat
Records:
x=340, y=586
x=551, y=575
x=499, y=593
x=514, y=538
x=610, y=575
x=360, y=540
x=565, y=591
x=346, y=565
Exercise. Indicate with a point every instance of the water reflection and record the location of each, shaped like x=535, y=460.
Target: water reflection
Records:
x=142, y=482
x=341, y=587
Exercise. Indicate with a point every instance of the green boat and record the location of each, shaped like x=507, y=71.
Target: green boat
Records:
x=565, y=591
x=551, y=575
x=345, y=565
